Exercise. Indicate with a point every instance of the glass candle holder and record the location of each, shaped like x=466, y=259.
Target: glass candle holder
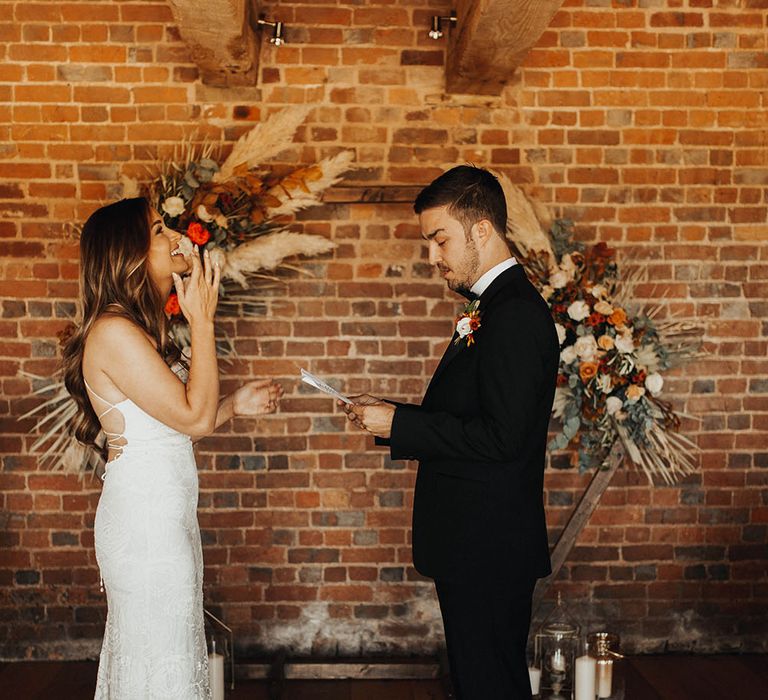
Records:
x=221, y=656
x=556, y=645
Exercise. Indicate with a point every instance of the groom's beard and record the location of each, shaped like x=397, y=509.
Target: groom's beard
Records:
x=464, y=274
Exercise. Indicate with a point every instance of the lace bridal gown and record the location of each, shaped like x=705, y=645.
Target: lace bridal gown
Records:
x=150, y=556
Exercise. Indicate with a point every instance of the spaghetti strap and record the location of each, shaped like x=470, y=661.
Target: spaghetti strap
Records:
x=100, y=398
x=113, y=439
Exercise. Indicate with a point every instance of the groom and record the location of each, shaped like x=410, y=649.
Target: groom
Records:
x=480, y=436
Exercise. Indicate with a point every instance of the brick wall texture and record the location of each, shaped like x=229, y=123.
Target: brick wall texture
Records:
x=646, y=121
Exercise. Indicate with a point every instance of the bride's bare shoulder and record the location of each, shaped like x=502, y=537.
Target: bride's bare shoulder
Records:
x=113, y=330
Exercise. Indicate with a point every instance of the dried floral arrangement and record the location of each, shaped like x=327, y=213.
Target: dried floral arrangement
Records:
x=239, y=210
x=612, y=356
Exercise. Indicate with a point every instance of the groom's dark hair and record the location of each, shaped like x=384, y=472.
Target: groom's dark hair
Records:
x=471, y=194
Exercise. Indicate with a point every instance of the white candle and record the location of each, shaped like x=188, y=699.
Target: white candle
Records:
x=216, y=674
x=604, y=678
x=585, y=678
x=535, y=675
x=558, y=661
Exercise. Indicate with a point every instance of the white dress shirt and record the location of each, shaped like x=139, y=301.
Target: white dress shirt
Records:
x=485, y=281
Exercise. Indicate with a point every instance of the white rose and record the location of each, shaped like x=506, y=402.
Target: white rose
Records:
x=173, y=206
x=654, y=382
x=463, y=327
x=612, y=405
x=558, y=279
x=598, y=291
x=605, y=383
x=586, y=347
x=578, y=310
x=624, y=343
x=603, y=307
x=547, y=291
x=568, y=355
x=186, y=246
x=203, y=215
x=647, y=358
x=560, y=333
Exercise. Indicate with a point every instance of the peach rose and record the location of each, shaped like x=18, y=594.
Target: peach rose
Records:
x=605, y=342
x=604, y=308
x=634, y=392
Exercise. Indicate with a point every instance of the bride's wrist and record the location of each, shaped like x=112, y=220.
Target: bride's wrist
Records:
x=229, y=405
x=201, y=326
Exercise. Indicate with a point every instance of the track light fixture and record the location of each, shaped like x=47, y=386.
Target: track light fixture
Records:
x=436, y=32
x=277, y=37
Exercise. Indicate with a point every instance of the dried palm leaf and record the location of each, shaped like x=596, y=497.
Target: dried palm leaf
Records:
x=263, y=142
x=131, y=187
x=57, y=446
x=524, y=228
x=268, y=251
x=669, y=455
x=332, y=169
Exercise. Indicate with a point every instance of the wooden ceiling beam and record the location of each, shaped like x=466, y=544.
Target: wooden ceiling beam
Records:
x=220, y=39
x=491, y=39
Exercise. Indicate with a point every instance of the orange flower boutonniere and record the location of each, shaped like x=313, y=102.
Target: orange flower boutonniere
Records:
x=468, y=322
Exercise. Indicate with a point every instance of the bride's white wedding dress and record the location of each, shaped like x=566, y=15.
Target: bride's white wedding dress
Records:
x=149, y=552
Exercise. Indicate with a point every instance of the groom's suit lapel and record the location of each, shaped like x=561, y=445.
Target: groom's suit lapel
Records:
x=453, y=349
x=505, y=279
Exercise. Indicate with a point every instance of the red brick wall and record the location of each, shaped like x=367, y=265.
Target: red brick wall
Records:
x=644, y=120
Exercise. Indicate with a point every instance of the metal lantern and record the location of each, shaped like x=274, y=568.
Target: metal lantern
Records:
x=556, y=645
x=605, y=648
x=221, y=656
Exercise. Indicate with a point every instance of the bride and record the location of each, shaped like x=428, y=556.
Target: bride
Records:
x=123, y=371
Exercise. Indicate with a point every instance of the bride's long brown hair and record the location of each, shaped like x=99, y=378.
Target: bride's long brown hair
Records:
x=114, y=245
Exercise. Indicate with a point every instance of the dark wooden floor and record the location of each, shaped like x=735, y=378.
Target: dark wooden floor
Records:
x=669, y=677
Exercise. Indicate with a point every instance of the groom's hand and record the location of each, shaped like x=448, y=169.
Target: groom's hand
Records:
x=370, y=414
x=360, y=400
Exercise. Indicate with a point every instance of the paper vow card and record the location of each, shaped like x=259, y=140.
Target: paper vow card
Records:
x=312, y=380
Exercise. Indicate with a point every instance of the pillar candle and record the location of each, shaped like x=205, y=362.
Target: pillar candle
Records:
x=535, y=675
x=558, y=661
x=216, y=675
x=604, y=678
x=585, y=678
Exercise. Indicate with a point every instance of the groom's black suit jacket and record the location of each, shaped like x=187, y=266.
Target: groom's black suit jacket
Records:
x=480, y=437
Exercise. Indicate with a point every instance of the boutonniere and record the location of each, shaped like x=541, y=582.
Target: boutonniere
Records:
x=468, y=322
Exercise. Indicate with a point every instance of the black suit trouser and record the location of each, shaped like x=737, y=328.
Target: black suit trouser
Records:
x=486, y=630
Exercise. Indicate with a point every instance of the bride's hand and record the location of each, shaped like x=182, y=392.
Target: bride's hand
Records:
x=199, y=293
x=257, y=398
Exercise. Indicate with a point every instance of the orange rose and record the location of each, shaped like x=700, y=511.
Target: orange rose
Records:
x=172, y=307
x=634, y=392
x=198, y=233
x=618, y=317
x=587, y=371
